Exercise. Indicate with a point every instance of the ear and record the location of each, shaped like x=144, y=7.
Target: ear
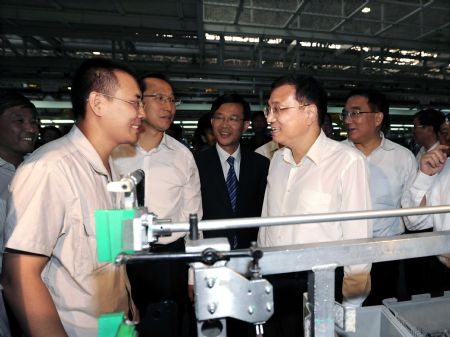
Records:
x=312, y=115
x=95, y=103
x=379, y=118
x=246, y=125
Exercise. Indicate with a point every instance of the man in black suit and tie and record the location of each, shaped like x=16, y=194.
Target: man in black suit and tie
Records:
x=233, y=179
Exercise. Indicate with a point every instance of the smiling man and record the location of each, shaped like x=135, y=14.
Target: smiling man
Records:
x=312, y=174
x=172, y=191
x=52, y=278
x=392, y=168
x=233, y=179
x=18, y=133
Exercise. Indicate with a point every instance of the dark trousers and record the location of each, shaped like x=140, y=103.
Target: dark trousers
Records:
x=159, y=290
x=387, y=282
x=288, y=289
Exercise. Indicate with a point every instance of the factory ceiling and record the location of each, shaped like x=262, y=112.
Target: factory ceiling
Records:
x=209, y=47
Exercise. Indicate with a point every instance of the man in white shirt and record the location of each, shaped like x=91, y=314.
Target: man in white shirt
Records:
x=426, y=130
x=172, y=191
x=51, y=274
x=392, y=167
x=312, y=174
x=431, y=188
x=18, y=133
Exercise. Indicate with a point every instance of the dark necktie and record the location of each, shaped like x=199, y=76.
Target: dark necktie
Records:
x=232, y=186
x=232, y=183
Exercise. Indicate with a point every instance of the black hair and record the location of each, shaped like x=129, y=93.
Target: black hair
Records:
x=306, y=88
x=9, y=99
x=430, y=117
x=95, y=74
x=231, y=98
x=377, y=101
x=160, y=76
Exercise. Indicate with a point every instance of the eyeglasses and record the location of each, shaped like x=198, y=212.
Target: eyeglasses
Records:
x=419, y=126
x=232, y=119
x=163, y=99
x=137, y=104
x=353, y=115
x=277, y=110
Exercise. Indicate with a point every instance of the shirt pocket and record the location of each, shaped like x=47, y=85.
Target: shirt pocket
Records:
x=312, y=202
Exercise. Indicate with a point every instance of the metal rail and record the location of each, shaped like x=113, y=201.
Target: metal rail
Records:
x=300, y=219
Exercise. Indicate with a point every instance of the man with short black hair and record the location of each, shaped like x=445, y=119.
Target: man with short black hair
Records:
x=18, y=134
x=52, y=277
x=311, y=174
x=392, y=167
x=426, y=130
x=172, y=191
x=233, y=178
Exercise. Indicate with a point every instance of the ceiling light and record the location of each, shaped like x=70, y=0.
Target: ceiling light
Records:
x=366, y=10
x=96, y=52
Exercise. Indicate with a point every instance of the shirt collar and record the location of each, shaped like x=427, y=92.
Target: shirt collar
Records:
x=7, y=165
x=223, y=155
x=165, y=142
x=385, y=145
x=314, y=153
x=82, y=144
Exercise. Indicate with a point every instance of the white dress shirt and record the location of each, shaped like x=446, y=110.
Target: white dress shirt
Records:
x=223, y=156
x=331, y=177
x=422, y=151
x=172, y=183
x=392, y=168
x=436, y=190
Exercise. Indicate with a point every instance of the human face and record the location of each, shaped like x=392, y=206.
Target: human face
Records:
x=291, y=123
x=125, y=116
x=159, y=113
x=18, y=132
x=228, y=125
x=421, y=132
x=444, y=135
x=364, y=127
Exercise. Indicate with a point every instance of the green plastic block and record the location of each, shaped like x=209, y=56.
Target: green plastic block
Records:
x=113, y=325
x=109, y=227
x=108, y=324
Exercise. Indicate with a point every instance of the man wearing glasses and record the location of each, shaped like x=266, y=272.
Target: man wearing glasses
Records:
x=233, y=179
x=172, y=191
x=426, y=130
x=312, y=174
x=52, y=278
x=392, y=167
x=431, y=187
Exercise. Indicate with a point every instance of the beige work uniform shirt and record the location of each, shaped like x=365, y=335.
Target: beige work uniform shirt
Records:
x=54, y=195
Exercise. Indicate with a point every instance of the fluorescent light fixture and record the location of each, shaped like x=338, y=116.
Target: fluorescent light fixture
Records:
x=365, y=10
x=96, y=52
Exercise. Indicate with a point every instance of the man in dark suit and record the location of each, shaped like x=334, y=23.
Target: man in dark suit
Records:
x=221, y=197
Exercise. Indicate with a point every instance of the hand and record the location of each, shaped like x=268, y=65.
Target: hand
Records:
x=433, y=161
x=191, y=293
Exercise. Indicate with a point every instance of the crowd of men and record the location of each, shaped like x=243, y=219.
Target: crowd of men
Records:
x=52, y=281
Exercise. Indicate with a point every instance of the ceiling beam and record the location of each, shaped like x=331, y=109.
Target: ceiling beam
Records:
x=352, y=14
x=239, y=10
x=413, y=12
x=325, y=37
x=295, y=14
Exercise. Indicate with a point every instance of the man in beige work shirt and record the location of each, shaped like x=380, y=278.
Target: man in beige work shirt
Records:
x=52, y=278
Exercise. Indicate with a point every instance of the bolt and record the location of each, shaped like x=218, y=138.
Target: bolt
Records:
x=269, y=307
x=212, y=308
x=251, y=310
x=268, y=290
x=210, y=282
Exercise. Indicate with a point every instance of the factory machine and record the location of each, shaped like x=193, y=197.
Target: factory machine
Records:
x=231, y=283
